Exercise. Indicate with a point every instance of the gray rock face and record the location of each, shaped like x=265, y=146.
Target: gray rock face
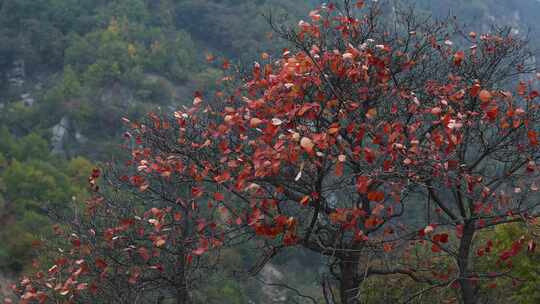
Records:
x=27, y=99
x=272, y=294
x=80, y=138
x=64, y=132
x=17, y=75
x=59, y=136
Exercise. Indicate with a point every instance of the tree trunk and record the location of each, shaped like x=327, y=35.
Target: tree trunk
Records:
x=182, y=296
x=468, y=293
x=350, y=281
x=182, y=290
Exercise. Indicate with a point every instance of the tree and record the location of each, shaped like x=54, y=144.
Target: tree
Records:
x=144, y=236
x=360, y=119
x=331, y=146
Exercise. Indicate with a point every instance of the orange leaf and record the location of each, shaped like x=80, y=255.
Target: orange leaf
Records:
x=371, y=222
x=377, y=209
x=458, y=57
x=144, y=186
x=307, y=144
x=371, y=113
x=338, y=217
x=376, y=196
x=225, y=176
x=101, y=264
x=485, y=96
x=160, y=241
x=254, y=122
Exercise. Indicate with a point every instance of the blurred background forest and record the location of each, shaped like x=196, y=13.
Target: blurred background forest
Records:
x=71, y=69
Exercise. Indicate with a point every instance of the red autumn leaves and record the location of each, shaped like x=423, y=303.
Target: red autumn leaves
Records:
x=458, y=57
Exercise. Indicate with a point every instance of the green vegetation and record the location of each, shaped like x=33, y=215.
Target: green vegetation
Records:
x=33, y=184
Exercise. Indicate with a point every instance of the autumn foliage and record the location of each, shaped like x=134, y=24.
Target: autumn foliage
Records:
x=333, y=146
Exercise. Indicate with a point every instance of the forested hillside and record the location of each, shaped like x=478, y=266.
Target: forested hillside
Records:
x=71, y=70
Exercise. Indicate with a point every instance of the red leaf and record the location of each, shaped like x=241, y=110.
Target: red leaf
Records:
x=339, y=169
x=362, y=184
x=533, y=138
x=135, y=273
x=143, y=252
x=196, y=191
x=458, y=57
x=480, y=252
x=218, y=196
x=492, y=113
x=203, y=247
x=95, y=173
x=101, y=264
x=226, y=64
x=76, y=243
x=289, y=238
x=522, y=89
x=474, y=90
x=441, y=238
